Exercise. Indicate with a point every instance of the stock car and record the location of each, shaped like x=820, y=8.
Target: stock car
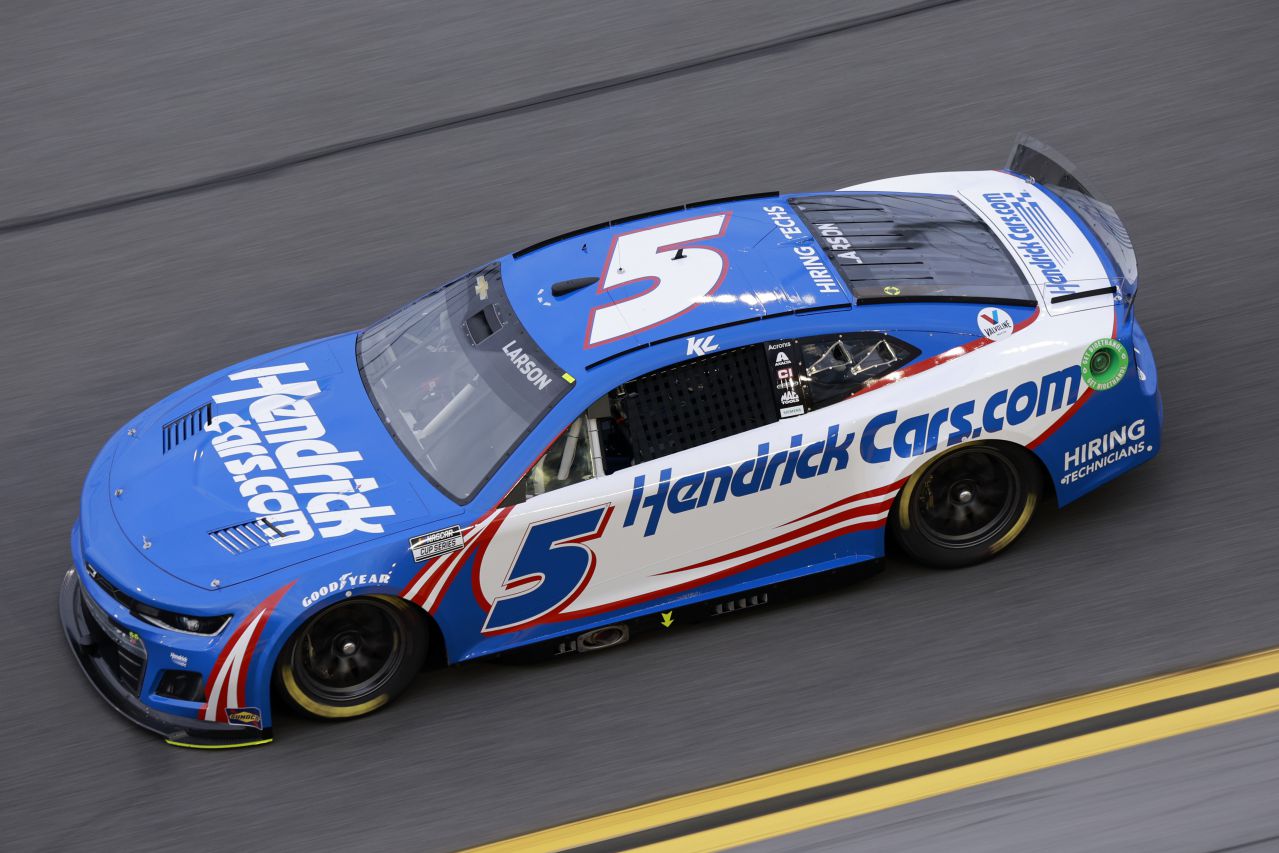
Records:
x=585, y=436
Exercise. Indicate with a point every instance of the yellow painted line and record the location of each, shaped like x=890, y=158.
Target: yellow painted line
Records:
x=978, y=773
x=861, y=762
x=217, y=745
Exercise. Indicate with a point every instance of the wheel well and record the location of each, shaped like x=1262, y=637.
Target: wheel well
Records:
x=1049, y=486
x=436, y=650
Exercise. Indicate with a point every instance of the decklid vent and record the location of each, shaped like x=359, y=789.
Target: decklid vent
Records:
x=186, y=426
x=894, y=248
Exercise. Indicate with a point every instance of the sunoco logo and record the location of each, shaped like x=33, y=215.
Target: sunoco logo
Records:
x=244, y=717
x=285, y=470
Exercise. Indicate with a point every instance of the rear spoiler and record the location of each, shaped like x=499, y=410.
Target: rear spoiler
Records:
x=1045, y=164
x=1038, y=160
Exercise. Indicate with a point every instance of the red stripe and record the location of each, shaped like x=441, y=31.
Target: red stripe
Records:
x=1061, y=421
x=481, y=546
x=846, y=515
x=447, y=566
x=266, y=607
x=873, y=493
x=672, y=590
x=1069, y=413
x=423, y=594
x=426, y=567
x=420, y=597
x=941, y=358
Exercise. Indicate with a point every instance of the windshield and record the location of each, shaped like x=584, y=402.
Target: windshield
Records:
x=458, y=380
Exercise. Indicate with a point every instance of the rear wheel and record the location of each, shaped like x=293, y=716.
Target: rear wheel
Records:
x=967, y=505
x=353, y=657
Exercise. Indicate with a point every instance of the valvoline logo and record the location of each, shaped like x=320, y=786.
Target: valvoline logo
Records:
x=994, y=323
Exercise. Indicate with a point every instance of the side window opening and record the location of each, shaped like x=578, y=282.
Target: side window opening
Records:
x=837, y=366
x=568, y=460
x=715, y=396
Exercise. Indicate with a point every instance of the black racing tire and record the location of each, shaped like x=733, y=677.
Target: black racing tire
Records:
x=352, y=657
x=967, y=505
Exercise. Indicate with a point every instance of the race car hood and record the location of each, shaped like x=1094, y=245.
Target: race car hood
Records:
x=278, y=460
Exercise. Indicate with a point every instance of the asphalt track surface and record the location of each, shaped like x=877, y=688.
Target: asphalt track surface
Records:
x=1212, y=790
x=1170, y=107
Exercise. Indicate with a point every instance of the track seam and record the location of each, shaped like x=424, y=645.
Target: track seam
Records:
x=554, y=98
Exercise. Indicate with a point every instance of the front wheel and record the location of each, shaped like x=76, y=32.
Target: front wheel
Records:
x=353, y=657
x=967, y=505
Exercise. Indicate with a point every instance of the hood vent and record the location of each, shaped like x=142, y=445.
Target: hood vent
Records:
x=187, y=426
x=239, y=538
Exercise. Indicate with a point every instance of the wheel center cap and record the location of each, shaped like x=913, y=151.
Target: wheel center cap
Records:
x=346, y=645
x=964, y=495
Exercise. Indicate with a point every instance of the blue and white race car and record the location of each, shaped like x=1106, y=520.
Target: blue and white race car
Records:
x=579, y=438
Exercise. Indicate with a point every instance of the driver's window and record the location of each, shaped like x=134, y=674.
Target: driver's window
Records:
x=570, y=459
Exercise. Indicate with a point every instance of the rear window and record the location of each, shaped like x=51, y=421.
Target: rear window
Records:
x=895, y=248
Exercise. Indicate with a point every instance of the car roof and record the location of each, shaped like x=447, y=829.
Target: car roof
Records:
x=775, y=269
x=763, y=278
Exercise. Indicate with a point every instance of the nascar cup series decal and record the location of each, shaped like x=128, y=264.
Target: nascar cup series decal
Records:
x=283, y=435
x=1104, y=363
x=994, y=323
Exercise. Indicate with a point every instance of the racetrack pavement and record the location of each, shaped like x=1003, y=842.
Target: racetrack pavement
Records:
x=1169, y=107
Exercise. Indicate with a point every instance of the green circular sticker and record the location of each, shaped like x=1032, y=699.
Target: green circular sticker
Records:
x=1104, y=363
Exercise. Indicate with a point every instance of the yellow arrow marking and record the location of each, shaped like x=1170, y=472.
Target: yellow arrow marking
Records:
x=667, y=618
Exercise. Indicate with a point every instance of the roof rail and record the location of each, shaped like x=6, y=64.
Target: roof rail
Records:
x=543, y=243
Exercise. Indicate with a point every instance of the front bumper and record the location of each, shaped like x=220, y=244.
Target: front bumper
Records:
x=99, y=656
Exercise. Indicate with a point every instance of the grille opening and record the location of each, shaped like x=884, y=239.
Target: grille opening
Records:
x=129, y=669
x=180, y=684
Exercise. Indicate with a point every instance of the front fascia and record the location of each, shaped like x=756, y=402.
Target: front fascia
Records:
x=236, y=665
